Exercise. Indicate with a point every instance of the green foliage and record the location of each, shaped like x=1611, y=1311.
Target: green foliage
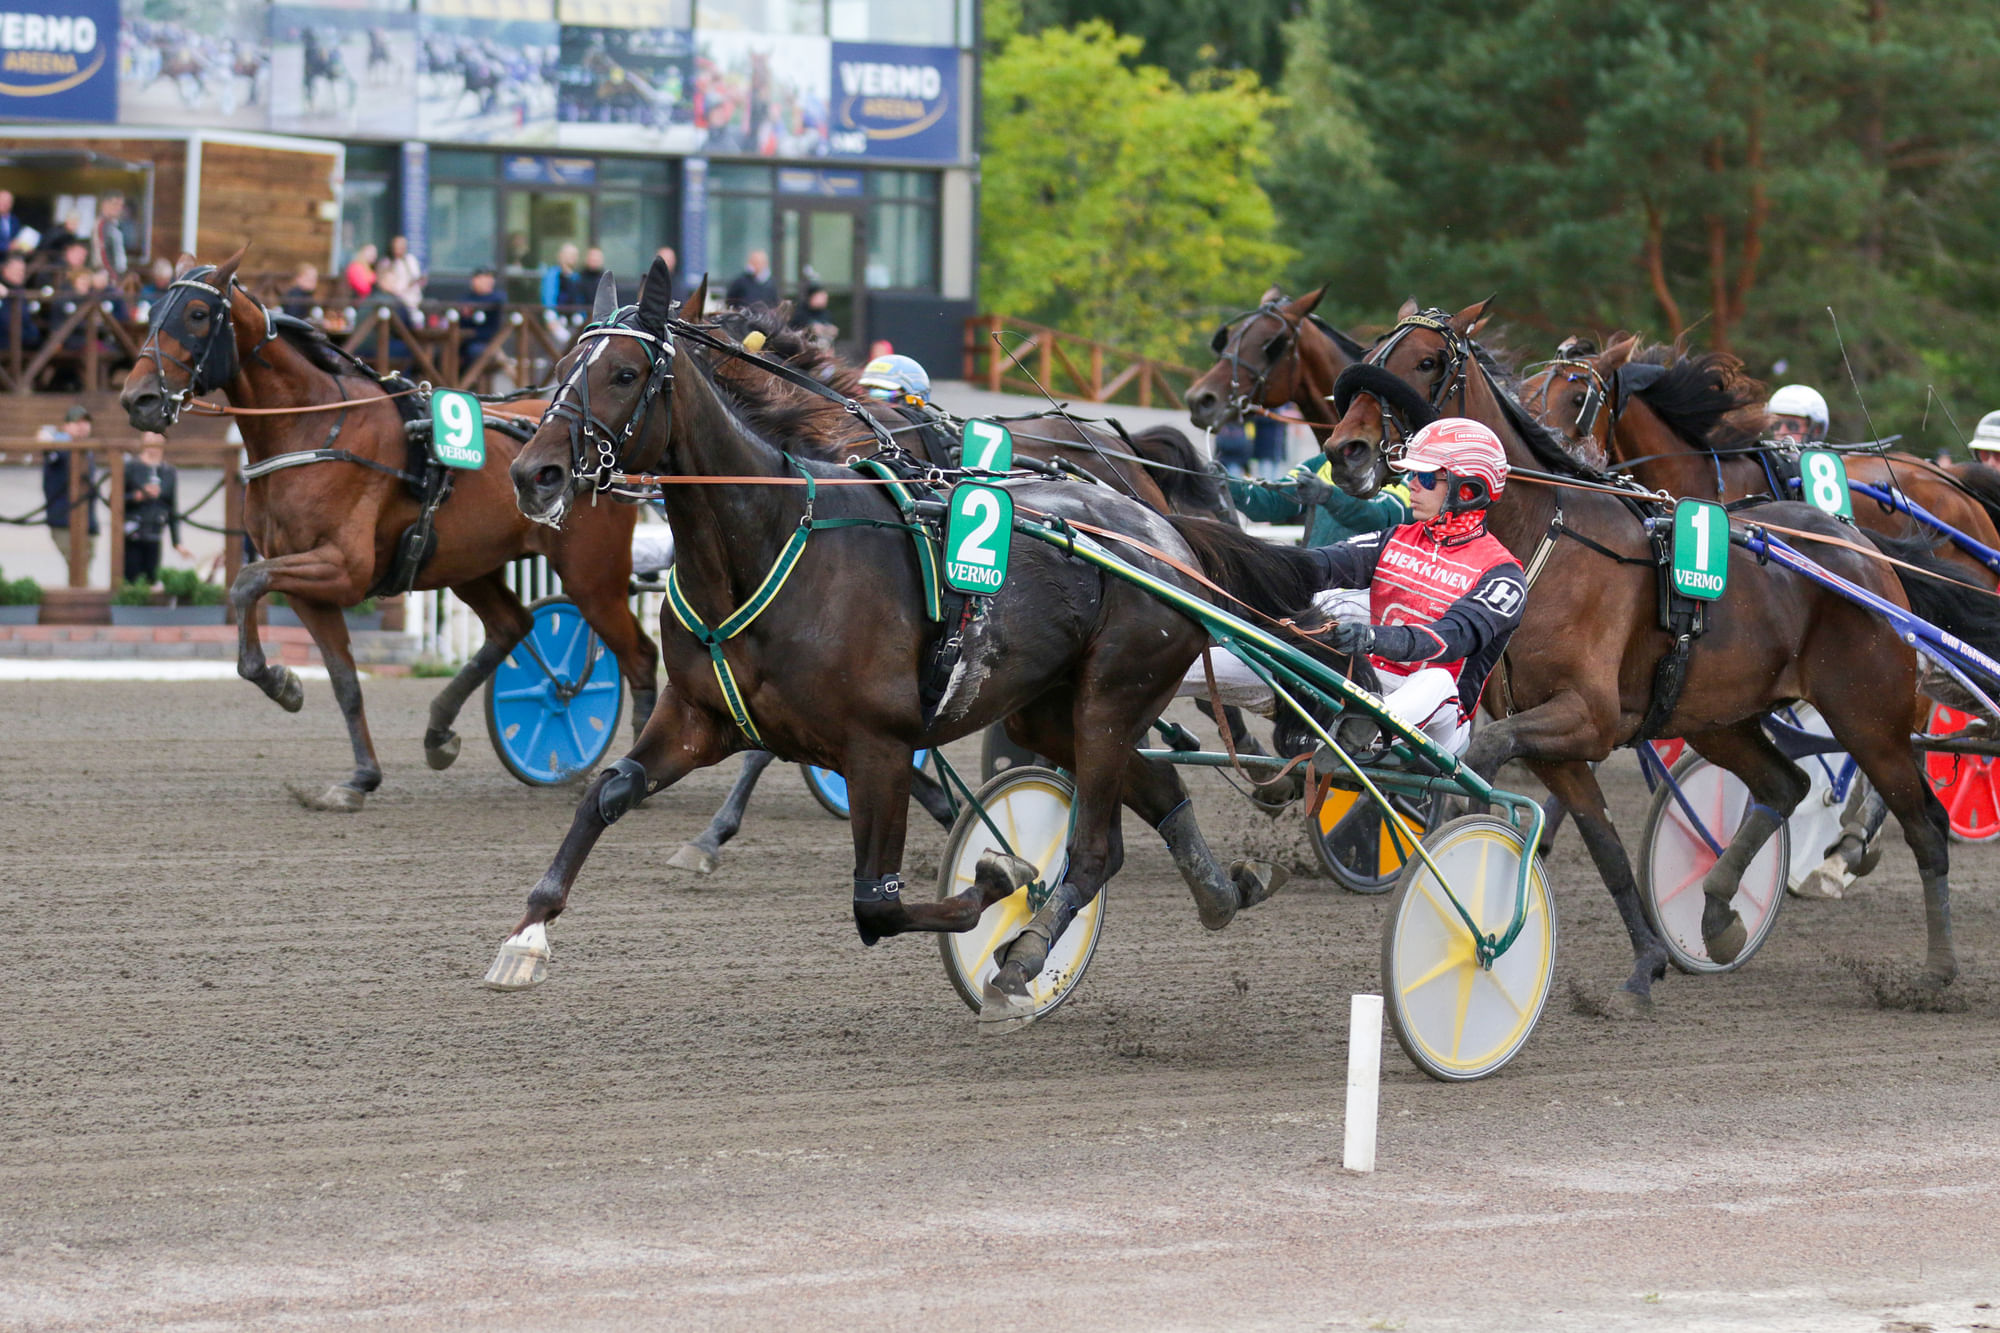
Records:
x=431, y=667
x=135, y=592
x=1116, y=202
x=1185, y=36
x=367, y=606
x=1727, y=171
x=20, y=592
x=190, y=589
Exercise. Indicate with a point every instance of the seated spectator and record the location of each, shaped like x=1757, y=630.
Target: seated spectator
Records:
x=593, y=270
x=480, y=313
x=406, y=265
x=360, y=273
x=73, y=266
x=559, y=280
x=159, y=277
x=17, y=296
x=302, y=297
x=392, y=287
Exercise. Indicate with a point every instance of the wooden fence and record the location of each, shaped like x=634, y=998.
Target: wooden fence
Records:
x=1001, y=352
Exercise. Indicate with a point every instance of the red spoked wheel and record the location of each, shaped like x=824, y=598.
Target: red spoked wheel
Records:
x=1669, y=751
x=1968, y=784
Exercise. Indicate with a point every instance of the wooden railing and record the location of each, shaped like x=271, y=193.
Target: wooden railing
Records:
x=1069, y=367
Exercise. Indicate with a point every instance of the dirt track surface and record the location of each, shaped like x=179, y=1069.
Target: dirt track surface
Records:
x=248, y=1077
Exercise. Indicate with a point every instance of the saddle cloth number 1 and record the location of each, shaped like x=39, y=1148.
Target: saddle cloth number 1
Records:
x=977, y=538
x=1701, y=549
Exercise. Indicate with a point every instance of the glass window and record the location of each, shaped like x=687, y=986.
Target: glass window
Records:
x=641, y=171
x=738, y=226
x=902, y=230
x=365, y=217
x=372, y=159
x=464, y=220
x=631, y=228
x=734, y=178
x=550, y=219
x=456, y=164
x=903, y=185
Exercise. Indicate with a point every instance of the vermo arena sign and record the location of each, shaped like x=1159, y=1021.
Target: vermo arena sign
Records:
x=59, y=62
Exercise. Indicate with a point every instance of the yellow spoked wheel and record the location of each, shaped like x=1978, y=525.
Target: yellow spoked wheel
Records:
x=1456, y=1020
x=1357, y=846
x=1031, y=806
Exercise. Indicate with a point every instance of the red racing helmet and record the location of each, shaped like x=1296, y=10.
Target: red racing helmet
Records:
x=1463, y=450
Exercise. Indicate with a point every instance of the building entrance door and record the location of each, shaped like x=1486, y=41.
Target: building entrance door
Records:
x=820, y=241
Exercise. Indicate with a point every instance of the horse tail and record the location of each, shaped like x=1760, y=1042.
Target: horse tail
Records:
x=1277, y=580
x=1939, y=594
x=1183, y=475
x=1982, y=483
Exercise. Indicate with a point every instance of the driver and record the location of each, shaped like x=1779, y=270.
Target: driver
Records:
x=1444, y=595
x=903, y=383
x=1798, y=416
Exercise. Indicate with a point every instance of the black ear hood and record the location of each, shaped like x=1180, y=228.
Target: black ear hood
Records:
x=656, y=297
x=1409, y=406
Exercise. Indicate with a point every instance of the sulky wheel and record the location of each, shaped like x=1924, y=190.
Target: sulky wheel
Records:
x=1673, y=857
x=997, y=754
x=1358, y=846
x=552, y=705
x=1968, y=784
x=1031, y=806
x=830, y=789
x=1455, y=1019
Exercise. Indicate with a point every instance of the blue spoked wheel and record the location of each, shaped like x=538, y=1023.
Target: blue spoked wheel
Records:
x=552, y=706
x=830, y=789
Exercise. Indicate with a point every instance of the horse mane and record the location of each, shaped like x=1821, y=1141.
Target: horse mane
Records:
x=794, y=347
x=1186, y=482
x=1345, y=342
x=311, y=343
x=785, y=416
x=1709, y=400
x=1542, y=443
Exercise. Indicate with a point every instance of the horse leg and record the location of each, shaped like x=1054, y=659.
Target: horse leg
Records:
x=507, y=623
x=678, y=739
x=280, y=682
x=1857, y=851
x=702, y=853
x=1777, y=785
x=329, y=631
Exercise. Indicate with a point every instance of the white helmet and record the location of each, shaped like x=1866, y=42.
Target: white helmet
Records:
x=1801, y=400
x=1987, y=435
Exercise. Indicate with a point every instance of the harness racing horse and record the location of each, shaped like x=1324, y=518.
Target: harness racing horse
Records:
x=1171, y=480
x=329, y=505
x=1276, y=354
x=811, y=583
x=1581, y=678
x=1693, y=426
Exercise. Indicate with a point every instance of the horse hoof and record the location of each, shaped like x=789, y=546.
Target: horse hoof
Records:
x=1726, y=945
x=336, y=799
x=999, y=876
x=691, y=857
x=1004, y=1003
x=441, y=749
x=523, y=960
x=1257, y=880
x=1629, y=1004
x=1824, y=884
x=1216, y=911
x=286, y=689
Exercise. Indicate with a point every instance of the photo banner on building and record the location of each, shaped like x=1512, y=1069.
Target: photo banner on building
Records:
x=486, y=80
x=204, y=63
x=626, y=88
x=342, y=70
x=895, y=101
x=59, y=63
x=762, y=94
x=676, y=14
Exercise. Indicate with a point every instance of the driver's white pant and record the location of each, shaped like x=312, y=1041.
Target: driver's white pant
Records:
x=1236, y=684
x=1427, y=700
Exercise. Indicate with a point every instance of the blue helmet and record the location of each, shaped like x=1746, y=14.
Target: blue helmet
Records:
x=896, y=377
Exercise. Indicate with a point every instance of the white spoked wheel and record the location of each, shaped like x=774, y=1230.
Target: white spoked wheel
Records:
x=1030, y=805
x=1456, y=1020
x=1674, y=857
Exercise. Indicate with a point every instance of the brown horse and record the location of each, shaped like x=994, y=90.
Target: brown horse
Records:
x=1581, y=678
x=1694, y=425
x=1276, y=354
x=328, y=530
x=1078, y=664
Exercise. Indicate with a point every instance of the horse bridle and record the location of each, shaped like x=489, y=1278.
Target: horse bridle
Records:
x=1597, y=395
x=216, y=363
x=571, y=404
x=1230, y=349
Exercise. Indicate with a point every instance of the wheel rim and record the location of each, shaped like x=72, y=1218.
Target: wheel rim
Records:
x=554, y=724
x=1030, y=806
x=1678, y=858
x=1364, y=859
x=1455, y=1019
x=1968, y=785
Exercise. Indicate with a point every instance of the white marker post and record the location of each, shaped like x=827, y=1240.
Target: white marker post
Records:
x=1364, y=1081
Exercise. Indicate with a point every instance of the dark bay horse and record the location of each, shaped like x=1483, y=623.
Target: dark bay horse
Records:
x=1079, y=664
x=328, y=531
x=1580, y=677
x=1695, y=428
x=1279, y=353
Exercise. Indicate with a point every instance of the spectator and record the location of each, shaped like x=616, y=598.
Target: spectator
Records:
x=10, y=222
x=360, y=273
x=406, y=266
x=881, y=347
x=302, y=297
x=55, y=481
x=593, y=270
x=1268, y=433
x=559, y=280
x=520, y=253
x=15, y=295
x=754, y=288
x=107, y=236
x=810, y=314
x=73, y=265
x=152, y=504
x=159, y=277
x=480, y=313
x=392, y=287
x=1232, y=448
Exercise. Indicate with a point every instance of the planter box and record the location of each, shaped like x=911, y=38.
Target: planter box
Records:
x=167, y=615
x=284, y=615
x=357, y=620
x=20, y=615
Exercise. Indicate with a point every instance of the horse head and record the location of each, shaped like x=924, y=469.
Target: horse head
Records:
x=1575, y=394
x=1418, y=372
x=608, y=385
x=192, y=346
x=1258, y=362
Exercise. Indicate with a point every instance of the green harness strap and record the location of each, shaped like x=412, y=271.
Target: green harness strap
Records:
x=927, y=558
x=774, y=582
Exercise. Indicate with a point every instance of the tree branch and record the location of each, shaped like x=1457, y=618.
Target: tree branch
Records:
x=1656, y=272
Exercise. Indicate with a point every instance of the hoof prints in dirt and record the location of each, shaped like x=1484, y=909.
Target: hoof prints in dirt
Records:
x=1891, y=986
